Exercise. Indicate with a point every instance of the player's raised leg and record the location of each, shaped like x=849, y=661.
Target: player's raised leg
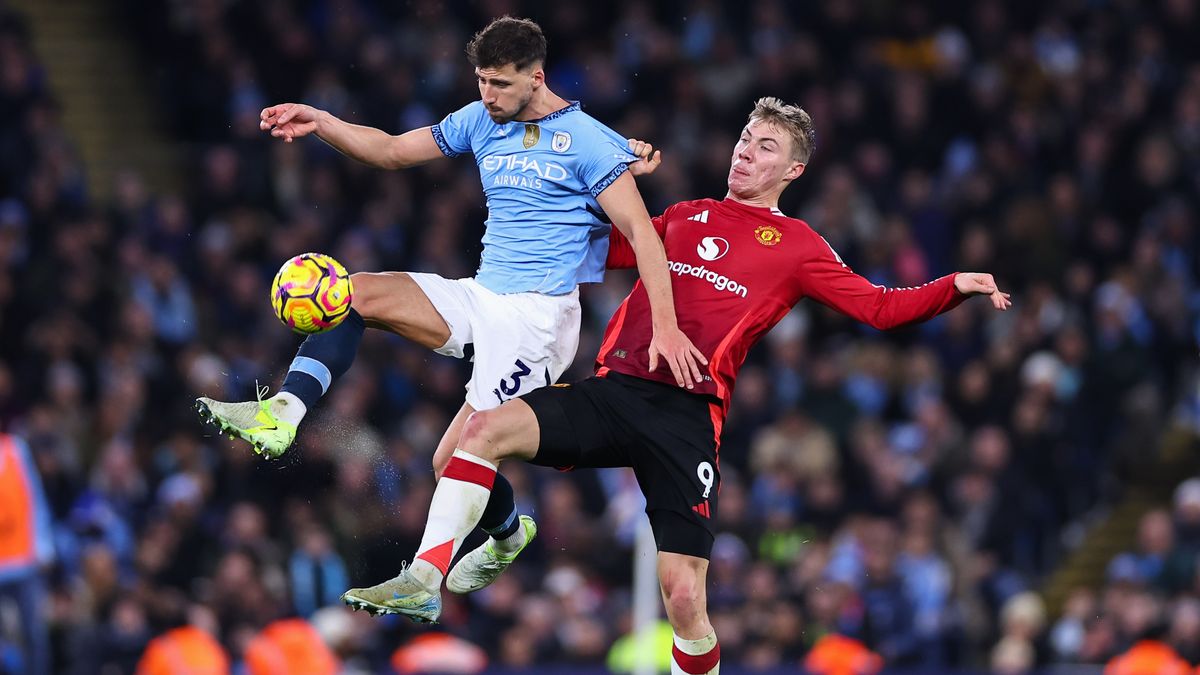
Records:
x=458, y=503
x=508, y=532
x=388, y=300
x=682, y=579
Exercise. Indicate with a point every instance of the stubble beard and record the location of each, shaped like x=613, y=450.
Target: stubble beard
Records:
x=505, y=119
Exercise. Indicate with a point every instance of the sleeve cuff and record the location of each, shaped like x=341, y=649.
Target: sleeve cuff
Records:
x=603, y=184
x=440, y=139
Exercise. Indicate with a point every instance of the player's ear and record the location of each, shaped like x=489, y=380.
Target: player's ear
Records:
x=795, y=171
x=538, y=75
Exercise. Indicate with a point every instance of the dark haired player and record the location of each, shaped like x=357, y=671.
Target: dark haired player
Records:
x=553, y=177
x=740, y=266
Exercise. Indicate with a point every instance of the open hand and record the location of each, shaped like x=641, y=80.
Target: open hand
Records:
x=981, y=283
x=681, y=356
x=649, y=158
x=288, y=121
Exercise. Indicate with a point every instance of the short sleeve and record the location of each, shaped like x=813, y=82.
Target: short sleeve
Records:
x=607, y=158
x=453, y=134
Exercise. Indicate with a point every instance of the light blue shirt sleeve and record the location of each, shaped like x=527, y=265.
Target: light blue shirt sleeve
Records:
x=454, y=135
x=609, y=159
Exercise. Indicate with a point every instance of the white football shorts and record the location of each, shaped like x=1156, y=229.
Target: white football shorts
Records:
x=522, y=341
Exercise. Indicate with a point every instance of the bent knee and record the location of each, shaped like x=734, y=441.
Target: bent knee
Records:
x=477, y=433
x=685, y=607
x=489, y=434
x=682, y=594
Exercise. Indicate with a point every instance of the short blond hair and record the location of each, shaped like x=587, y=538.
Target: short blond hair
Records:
x=789, y=118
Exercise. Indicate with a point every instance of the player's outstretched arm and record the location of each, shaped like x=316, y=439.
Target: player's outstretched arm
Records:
x=368, y=145
x=831, y=282
x=623, y=204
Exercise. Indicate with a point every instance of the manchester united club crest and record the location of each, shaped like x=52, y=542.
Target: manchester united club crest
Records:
x=767, y=235
x=533, y=133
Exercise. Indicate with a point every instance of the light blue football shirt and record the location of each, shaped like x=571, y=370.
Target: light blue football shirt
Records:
x=541, y=178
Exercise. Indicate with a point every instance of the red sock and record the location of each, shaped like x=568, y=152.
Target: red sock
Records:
x=458, y=502
x=696, y=657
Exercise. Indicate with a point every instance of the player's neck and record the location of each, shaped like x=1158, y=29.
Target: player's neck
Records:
x=769, y=201
x=543, y=103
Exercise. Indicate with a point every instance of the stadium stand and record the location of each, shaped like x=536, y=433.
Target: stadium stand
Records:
x=911, y=491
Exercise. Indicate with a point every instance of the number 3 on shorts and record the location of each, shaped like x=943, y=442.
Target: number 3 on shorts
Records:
x=706, y=475
x=508, y=390
x=521, y=371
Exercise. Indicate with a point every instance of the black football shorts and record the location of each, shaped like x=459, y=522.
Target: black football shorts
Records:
x=664, y=433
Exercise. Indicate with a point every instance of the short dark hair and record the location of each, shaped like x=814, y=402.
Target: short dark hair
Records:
x=508, y=40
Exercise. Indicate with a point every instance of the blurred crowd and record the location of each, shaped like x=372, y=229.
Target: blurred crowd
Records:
x=909, y=490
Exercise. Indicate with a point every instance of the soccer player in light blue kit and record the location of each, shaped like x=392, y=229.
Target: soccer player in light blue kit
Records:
x=553, y=177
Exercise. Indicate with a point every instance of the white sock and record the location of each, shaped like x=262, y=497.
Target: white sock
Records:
x=696, y=657
x=510, y=544
x=288, y=407
x=457, y=505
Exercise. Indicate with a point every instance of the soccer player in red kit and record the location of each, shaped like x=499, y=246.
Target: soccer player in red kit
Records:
x=739, y=265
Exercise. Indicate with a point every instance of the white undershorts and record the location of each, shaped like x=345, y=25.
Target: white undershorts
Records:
x=522, y=341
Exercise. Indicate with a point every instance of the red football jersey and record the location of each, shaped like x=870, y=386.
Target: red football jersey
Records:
x=736, y=270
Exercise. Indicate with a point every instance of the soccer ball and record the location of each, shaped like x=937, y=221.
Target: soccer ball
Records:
x=311, y=293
